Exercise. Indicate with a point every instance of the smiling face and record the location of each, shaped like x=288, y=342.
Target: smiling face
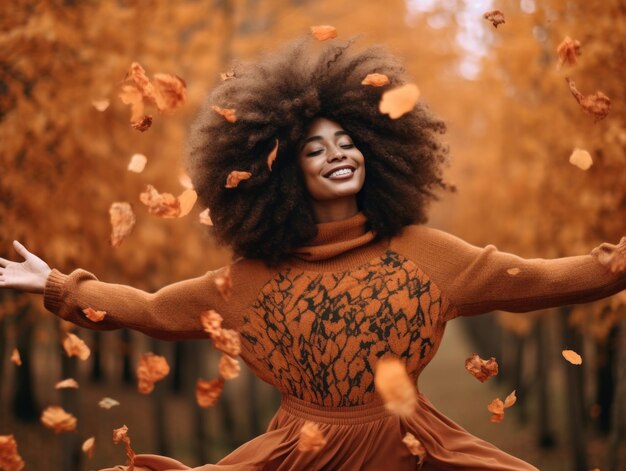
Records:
x=333, y=169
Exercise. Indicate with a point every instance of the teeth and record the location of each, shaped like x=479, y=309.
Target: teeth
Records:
x=343, y=171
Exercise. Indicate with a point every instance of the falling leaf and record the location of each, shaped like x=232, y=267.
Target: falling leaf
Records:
x=311, y=438
x=88, y=445
x=187, y=200
x=211, y=322
x=185, y=181
x=495, y=16
x=151, y=368
x=121, y=435
x=205, y=217
x=399, y=101
x=10, y=459
x=496, y=407
x=229, y=114
x=612, y=256
x=395, y=387
x=55, y=418
x=122, y=221
x=514, y=271
x=272, y=156
x=568, y=50
x=137, y=163
x=107, y=403
x=228, y=367
x=481, y=369
x=228, y=342
x=581, y=159
x=15, y=357
x=324, y=32
x=170, y=92
x=76, y=347
x=234, y=177
x=164, y=205
x=66, y=383
x=375, y=80
x=597, y=104
x=93, y=315
x=208, y=392
x=137, y=75
x=101, y=105
x=227, y=75
x=415, y=446
x=573, y=357
x=131, y=95
x=224, y=283
x=143, y=124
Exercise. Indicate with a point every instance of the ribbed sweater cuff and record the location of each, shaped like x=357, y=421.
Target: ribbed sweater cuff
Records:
x=52, y=291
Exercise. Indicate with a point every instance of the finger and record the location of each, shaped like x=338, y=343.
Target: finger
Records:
x=20, y=249
x=4, y=262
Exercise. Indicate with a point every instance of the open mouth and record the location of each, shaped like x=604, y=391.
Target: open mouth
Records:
x=340, y=173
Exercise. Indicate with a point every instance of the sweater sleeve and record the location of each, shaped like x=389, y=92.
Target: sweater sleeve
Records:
x=171, y=313
x=478, y=280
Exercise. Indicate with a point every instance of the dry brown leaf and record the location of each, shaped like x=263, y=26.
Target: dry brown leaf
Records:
x=395, y=387
x=415, y=446
x=227, y=75
x=581, y=159
x=55, y=418
x=573, y=357
x=496, y=407
x=399, y=101
x=208, y=392
x=93, y=315
x=137, y=163
x=612, y=256
x=211, y=322
x=224, y=283
x=10, y=459
x=205, y=217
x=495, y=16
x=16, y=359
x=187, y=200
x=107, y=403
x=170, y=92
x=514, y=271
x=228, y=367
x=272, y=156
x=228, y=114
x=481, y=369
x=101, y=105
x=236, y=176
x=88, y=446
x=568, y=50
x=121, y=435
x=597, y=104
x=375, y=80
x=164, y=205
x=66, y=383
x=131, y=95
x=75, y=347
x=151, y=368
x=137, y=75
x=122, y=221
x=143, y=124
x=311, y=438
x=510, y=400
x=228, y=342
x=324, y=32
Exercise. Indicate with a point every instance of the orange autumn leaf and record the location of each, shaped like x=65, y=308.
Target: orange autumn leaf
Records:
x=131, y=95
x=227, y=75
x=107, y=403
x=93, y=315
x=228, y=367
x=514, y=271
x=170, y=92
x=10, y=459
x=612, y=256
x=75, y=347
x=122, y=221
x=395, y=387
x=142, y=124
x=121, y=435
x=164, y=205
x=375, y=80
x=137, y=163
x=272, y=156
x=597, y=104
x=399, y=101
x=205, y=217
x=211, y=322
x=228, y=114
x=415, y=446
x=151, y=368
x=495, y=16
x=185, y=181
x=324, y=32
x=88, y=446
x=236, y=176
x=568, y=50
x=481, y=369
x=581, y=159
x=496, y=407
x=573, y=357
x=228, y=342
x=208, y=392
x=137, y=76
x=224, y=283
x=311, y=438
x=16, y=359
x=55, y=418
x=101, y=105
x=187, y=200
x=66, y=383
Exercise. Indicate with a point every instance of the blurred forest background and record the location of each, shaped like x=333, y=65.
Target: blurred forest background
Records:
x=513, y=124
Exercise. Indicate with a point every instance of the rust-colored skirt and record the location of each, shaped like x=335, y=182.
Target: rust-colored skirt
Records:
x=363, y=437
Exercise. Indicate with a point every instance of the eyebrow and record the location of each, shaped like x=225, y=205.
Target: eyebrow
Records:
x=319, y=138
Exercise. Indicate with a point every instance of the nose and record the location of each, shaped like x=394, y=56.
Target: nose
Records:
x=335, y=154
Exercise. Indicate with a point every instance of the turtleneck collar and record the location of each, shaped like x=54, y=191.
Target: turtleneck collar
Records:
x=335, y=238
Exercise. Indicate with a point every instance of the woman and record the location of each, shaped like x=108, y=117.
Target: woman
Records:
x=335, y=270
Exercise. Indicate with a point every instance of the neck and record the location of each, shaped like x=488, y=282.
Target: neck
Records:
x=335, y=209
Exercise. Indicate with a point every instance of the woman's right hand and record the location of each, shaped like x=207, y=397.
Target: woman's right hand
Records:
x=30, y=275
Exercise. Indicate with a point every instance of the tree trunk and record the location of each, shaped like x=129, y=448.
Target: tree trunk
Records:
x=127, y=370
x=605, y=378
x=97, y=375
x=619, y=404
x=24, y=405
x=545, y=432
x=70, y=442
